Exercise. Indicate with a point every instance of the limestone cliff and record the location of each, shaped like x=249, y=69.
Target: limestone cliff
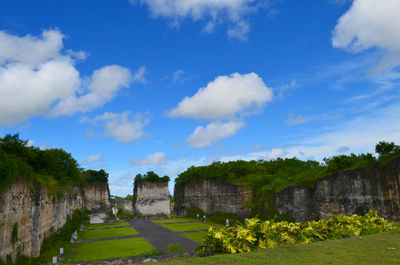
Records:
x=38, y=215
x=350, y=192
x=211, y=196
x=127, y=204
x=151, y=198
x=98, y=201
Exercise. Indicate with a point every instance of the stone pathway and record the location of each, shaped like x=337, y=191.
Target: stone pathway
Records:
x=160, y=237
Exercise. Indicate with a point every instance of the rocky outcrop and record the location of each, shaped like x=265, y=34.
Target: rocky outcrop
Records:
x=98, y=201
x=211, y=196
x=346, y=193
x=126, y=204
x=38, y=215
x=151, y=198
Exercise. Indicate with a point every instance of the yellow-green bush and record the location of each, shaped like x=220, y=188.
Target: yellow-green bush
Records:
x=254, y=233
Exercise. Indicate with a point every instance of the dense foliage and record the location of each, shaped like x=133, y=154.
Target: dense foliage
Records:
x=96, y=176
x=275, y=175
x=266, y=178
x=53, y=167
x=150, y=176
x=254, y=233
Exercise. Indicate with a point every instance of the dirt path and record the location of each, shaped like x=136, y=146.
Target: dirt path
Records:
x=160, y=237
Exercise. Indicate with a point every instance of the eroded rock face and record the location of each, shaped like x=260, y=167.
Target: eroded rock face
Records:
x=98, y=201
x=350, y=192
x=151, y=198
x=38, y=216
x=211, y=196
x=127, y=204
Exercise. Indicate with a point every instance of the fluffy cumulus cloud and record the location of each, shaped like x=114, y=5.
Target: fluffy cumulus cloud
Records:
x=123, y=127
x=203, y=136
x=225, y=98
x=93, y=158
x=103, y=86
x=151, y=160
x=371, y=24
x=226, y=101
x=214, y=12
x=38, y=77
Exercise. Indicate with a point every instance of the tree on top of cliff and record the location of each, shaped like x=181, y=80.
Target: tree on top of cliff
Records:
x=100, y=176
x=387, y=151
x=51, y=166
x=150, y=176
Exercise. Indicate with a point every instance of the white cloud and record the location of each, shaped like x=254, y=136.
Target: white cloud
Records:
x=93, y=158
x=371, y=24
x=152, y=159
x=225, y=101
x=30, y=50
x=203, y=136
x=140, y=75
x=103, y=86
x=177, y=75
x=38, y=77
x=215, y=12
x=296, y=119
x=225, y=98
x=120, y=126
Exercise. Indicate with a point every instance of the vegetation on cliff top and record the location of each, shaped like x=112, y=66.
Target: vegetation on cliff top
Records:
x=266, y=178
x=150, y=176
x=275, y=175
x=53, y=167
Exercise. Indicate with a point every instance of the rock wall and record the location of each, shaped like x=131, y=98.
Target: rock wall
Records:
x=151, y=198
x=211, y=196
x=38, y=216
x=350, y=192
x=98, y=201
x=127, y=204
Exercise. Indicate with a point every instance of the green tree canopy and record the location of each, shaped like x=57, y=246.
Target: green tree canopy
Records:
x=150, y=176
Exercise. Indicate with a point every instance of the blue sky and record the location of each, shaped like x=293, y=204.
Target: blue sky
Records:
x=132, y=86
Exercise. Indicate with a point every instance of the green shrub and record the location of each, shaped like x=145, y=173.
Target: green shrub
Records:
x=254, y=233
x=193, y=211
x=220, y=218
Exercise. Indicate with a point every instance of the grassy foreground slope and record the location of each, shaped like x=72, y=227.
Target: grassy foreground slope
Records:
x=383, y=248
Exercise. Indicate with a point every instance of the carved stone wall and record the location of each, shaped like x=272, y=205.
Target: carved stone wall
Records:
x=38, y=215
x=350, y=192
x=151, y=198
x=212, y=196
x=98, y=201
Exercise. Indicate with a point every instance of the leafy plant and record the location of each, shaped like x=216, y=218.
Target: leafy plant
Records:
x=153, y=253
x=254, y=233
x=175, y=249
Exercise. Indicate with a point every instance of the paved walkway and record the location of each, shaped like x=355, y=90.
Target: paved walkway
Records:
x=160, y=237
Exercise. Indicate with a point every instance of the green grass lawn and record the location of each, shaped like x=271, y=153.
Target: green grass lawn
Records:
x=104, y=233
x=186, y=226
x=176, y=220
x=198, y=236
x=95, y=226
x=378, y=249
x=111, y=249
